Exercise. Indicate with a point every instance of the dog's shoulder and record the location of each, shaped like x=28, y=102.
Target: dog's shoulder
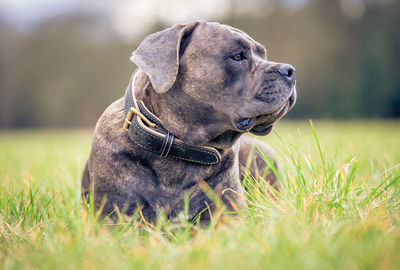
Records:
x=109, y=134
x=112, y=116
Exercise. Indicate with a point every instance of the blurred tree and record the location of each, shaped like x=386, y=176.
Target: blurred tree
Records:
x=58, y=75
x=66, y=71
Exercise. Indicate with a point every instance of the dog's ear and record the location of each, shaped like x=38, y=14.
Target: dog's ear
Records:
x=158, y=55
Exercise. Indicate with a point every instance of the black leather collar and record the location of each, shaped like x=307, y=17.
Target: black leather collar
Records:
x=147, y=131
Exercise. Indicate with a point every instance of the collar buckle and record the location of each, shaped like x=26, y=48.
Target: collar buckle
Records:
x=129, y=116
x=148, y=133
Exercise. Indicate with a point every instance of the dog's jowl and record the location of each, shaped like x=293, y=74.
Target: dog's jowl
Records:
x=177, y=131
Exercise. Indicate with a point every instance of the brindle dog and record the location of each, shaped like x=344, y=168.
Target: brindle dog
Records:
x=208, y=84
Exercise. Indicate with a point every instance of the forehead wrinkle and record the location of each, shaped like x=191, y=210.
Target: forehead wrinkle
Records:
x=243, y=44
x=257, y=47
x=241, y=39
x=253, y=45
x=261, y=50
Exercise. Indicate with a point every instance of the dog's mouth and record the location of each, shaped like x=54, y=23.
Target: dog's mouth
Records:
x=260, y=125
x=225, y=139
x=229, y=137
x=264, y=123
x=262, y=129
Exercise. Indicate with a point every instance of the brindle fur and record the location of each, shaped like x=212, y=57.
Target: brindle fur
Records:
x=187, y=77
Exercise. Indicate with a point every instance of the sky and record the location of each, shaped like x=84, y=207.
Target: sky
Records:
x=28, y=13
x=125, y=15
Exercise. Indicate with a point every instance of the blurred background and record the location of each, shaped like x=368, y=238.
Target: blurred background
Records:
x=62, y=62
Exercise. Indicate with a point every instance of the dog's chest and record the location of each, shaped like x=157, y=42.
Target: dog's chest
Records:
x=182, y=175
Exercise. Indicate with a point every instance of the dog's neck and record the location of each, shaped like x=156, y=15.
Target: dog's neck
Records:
x=190, y=128
x=164, y=106
x=143, y=90
x=141, y=87
x=147, y=131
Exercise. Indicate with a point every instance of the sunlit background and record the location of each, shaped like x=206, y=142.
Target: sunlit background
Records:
x=62, y=62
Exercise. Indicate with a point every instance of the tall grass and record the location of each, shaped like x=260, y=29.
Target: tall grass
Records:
x=338, y=208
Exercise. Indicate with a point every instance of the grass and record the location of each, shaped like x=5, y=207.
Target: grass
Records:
x=338, y=208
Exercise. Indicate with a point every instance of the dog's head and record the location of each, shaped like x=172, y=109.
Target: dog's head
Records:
x=213, y=83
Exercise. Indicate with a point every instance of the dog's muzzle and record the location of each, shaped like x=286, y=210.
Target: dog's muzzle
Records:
x=262, y=124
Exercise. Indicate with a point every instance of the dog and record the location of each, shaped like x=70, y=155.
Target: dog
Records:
x=176, y=133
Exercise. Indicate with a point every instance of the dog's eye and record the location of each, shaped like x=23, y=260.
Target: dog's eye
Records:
x=238, y=56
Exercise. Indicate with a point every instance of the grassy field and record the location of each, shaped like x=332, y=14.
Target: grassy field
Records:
x=339, y=208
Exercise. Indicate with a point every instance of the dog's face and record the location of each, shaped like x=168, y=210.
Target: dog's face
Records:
x=222, y=84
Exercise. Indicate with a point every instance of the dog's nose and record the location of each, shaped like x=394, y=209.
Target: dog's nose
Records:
x=288, y=71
